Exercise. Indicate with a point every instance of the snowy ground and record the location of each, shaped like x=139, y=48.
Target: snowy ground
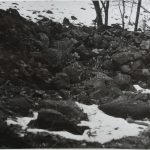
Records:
x=103, y=128
x=82, y=9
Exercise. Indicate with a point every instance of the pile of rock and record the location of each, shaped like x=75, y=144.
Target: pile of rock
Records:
x=48, y=66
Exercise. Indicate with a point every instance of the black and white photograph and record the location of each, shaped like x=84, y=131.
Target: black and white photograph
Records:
x=74, y=74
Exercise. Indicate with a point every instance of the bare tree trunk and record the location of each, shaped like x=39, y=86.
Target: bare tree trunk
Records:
x=123, y=16
x=137, y=15
x=98, y=12
x=106, y=12
x=105, y=4
x=122, y=12
x=131, y=11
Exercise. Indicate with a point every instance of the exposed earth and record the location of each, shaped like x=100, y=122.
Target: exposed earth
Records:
x=47, y=67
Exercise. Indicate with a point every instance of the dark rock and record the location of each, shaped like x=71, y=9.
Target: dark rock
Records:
x=65, y=94
x=105, y=44
x=137, y=41
x=125, y=57
x=142, y=97
x=137, y=64
x=57, y=57
x=122, y=79
x=141, y=74
x=3, y=116
x=79, y=35
x=102, y=93
x=55, y=121
x=73, y=18
x=83, y=52
x=145, y=45
x=146, y=58
x=49, y=12
x=44, y=38
x=101, y=86
x=146, y=72
x=125, y=69
x=97, y=39
x=9, y=138
x=42, y=77
x=96, y=83
x=53, y=57
x=13, y=12
x=83, y=8
x=108, y=64
x=68, y=108
x=98, y=79
x=66, y=46
x=114, y=44
x=40, y=16
x=61, y=81
x=127, y=108
x=122, y=58
x=74, y=72
x=20, y=105
x=66, y=21
x=129, y=143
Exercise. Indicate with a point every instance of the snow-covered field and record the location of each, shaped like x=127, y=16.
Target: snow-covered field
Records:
x=103, y=128
x=83, y=10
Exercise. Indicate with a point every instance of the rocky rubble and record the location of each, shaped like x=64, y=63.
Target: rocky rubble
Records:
x=47, y=66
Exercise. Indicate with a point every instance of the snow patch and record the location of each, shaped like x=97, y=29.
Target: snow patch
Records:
x=139, y=89
x=22, y=121
x=103, y=128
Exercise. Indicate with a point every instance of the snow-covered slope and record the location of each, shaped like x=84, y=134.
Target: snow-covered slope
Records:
x=83, y=10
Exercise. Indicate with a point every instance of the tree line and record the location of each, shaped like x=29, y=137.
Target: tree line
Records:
x=102, y=7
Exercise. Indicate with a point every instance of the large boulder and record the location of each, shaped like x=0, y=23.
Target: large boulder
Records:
x=132, y=66
x=101, y=86
x=61, y=81
x=125, y=57
x=137, y=64
x=142, y=75
x=125, y=68
x=44, y=39
x=53, y=57
x=145, y=45
x=79, y=34
x=83, y=52
x=99, y=80
x=56, y=57
x=122, y=79
x=66, y=46
x=127, y=108
x=68, y=108
x=74, y=72
x=106, y=94
x=55, y=121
